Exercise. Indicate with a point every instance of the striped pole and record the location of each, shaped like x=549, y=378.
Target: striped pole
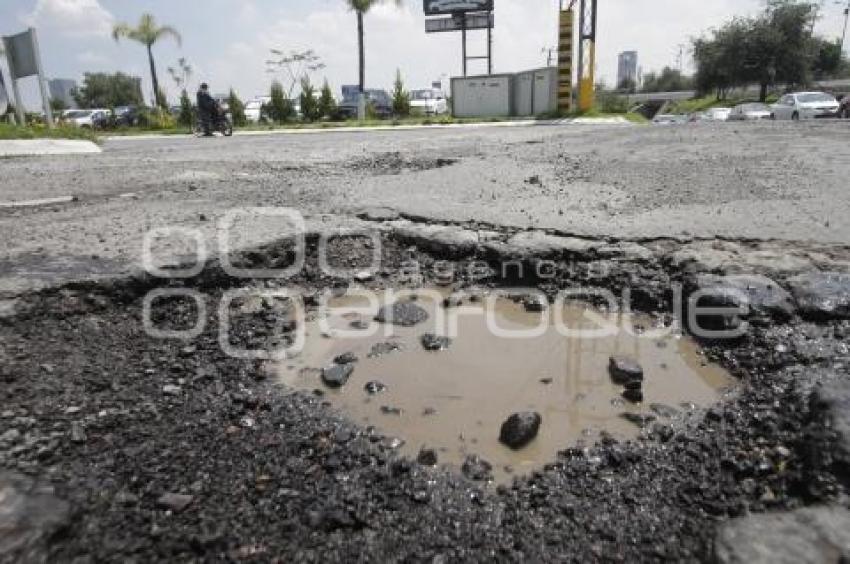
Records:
x=565, y=61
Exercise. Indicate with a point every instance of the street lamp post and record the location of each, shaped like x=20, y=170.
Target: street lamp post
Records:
x=846, y=17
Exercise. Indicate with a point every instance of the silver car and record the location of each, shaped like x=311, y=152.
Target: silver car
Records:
x=750, y=112
x=805, y=105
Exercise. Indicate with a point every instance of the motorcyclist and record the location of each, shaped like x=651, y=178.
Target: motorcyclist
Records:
x=207, y=109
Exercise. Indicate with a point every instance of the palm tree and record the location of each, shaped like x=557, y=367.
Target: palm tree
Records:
x=362, y=7
x=148, y=33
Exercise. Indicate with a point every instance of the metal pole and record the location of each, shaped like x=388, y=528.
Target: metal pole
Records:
x=463, y=29
x=844, y=33
x=489, y=43
x=42, y=81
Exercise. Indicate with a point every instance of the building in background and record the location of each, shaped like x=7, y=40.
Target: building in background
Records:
x=63, y=89
x=627, y=69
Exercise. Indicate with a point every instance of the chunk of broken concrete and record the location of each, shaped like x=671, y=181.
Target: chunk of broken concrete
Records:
x=822, y=296
x=405, y=314
x=432, y=342
x=805, y=536
x=762, y=298
x=624, y=369
x=337, y=376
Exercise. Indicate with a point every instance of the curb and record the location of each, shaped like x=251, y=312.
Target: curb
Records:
x=46, y=147
x=451, y=126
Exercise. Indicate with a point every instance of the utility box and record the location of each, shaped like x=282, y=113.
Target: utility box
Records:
x=536, y=92
x=528, y=93
x=482, y=96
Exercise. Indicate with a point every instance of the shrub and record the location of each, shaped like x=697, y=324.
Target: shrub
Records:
x=309, y=105
x=327, y=104
x=237, y=109
x=279, y=109
x=156, y=119
x=401, y=98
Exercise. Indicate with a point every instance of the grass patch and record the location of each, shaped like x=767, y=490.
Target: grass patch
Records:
x=10, y=132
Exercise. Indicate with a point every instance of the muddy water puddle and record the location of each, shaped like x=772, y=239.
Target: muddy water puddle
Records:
x=502, y=359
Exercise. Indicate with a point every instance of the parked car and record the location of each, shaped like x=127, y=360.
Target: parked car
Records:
x=670, y=119
x=89, y=119
x=126, y=116
x=380, y=101
x=430, y=102
x=750, y=112
x=805, y=105
x=254, y=109
x=844, y=107
x=717, y=114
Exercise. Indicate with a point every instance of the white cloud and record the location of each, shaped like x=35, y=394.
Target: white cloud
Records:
x=71, y=17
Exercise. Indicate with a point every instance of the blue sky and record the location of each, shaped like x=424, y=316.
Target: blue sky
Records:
x=228, y=41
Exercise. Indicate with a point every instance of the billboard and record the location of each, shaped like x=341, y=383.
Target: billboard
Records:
x=440, y=7
x=456, y=22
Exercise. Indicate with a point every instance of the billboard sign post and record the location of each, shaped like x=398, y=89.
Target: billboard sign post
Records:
x=24, y=60
x=462, y=16
x=4, y=98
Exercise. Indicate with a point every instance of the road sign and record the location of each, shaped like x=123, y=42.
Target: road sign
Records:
x=20, y=51
x=440, y=7
x=24, y=60
x=455, y=23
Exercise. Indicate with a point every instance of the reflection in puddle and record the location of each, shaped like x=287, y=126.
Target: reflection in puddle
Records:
x=455, y=400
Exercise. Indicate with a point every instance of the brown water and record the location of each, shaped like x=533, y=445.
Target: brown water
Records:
x=456, y=400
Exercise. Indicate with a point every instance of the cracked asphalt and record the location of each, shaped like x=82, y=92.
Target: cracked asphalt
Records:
x=772, y=181
x=115, y=446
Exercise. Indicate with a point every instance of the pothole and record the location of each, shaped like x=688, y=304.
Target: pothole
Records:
x=503, y=359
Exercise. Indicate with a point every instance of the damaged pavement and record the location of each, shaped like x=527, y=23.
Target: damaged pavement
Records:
x=118, y=446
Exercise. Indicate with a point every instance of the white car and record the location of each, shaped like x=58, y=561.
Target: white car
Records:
x=254, y=109
x=805, y=105
x=750, y=112
x=430, y=102
x=717, y=114
x=90, y=119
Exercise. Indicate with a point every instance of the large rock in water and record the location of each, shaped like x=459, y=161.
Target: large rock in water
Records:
x=337, y=376
x=520, y=429
x=822, y=295
x=30, y=514
x=405, y=314
x=624, y=369
x=765, y=299
x=813, y=535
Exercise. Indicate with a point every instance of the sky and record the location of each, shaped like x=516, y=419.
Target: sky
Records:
x=228, y=41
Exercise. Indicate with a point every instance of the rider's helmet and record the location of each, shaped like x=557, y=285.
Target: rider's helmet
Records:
x=205, y=86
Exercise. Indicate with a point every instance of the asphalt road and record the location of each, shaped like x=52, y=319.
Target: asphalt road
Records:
x=779, y=181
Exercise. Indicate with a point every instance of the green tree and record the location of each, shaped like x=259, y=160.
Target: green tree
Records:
x=777, y=46
x=148, y=33
x=401, y=97
x=670, y=80
x=309, y=103
x=187, y=110
x=362, y=7
x=327, y=103
x=101, y=90
x=57, y=105
x=237, y=109
x=279, y=109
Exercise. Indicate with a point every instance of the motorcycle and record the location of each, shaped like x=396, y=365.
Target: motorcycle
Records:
x=221, y=122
